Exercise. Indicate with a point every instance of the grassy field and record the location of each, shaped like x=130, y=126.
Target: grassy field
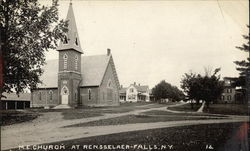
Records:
x=9, y=117
x=12, y=117
x=186, y=107
x=157, y=112
x=185, y=138
x=229, y=109
x=146, y=117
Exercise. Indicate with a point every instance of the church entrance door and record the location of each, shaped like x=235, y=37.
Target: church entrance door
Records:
x=65, y=95
x=65, y=99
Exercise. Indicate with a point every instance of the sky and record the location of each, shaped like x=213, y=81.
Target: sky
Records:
x=152, y=41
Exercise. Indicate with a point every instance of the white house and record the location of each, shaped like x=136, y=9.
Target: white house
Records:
x=135, y=93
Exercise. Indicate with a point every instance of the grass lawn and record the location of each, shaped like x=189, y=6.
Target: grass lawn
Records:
x=131, y=119
x=186, y=107
x=12, y=117
x=9, y=117
x=229, y=109
x=157, y=112
x=185, y=138
x=99, y=111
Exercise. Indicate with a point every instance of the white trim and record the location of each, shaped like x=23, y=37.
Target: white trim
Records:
x=65, y=61
x=62, y=93
x=68, y=71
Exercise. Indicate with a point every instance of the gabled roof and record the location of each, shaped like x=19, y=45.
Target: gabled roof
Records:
x=140, y=88
x=15, y=97
x=122, y=90
x=92, y=69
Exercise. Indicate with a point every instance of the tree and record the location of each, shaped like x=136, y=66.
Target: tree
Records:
x=243, y=67
x=198, y=87
x=164, y=90
x=27, y=31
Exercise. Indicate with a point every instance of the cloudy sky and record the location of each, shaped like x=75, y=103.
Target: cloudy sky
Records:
x=161, y=40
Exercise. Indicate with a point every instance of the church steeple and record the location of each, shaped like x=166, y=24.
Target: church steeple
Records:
x=71, y=40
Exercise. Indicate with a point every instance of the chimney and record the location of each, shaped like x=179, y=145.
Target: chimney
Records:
x=121, y=86
x=139, y=84
x=134, y=83
x=108, y=52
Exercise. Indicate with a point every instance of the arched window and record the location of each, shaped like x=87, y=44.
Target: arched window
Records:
x=76, y=96
x=65, y=61
x=50, y=95
x=76, y=41
x=76, y=62
x=109, y=84
x=65, y=40
x=40, y=95
x=89, y=94
x=65, y=90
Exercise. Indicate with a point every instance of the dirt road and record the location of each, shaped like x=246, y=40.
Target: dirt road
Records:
x=49, y=128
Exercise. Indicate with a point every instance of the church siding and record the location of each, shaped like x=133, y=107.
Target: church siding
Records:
x=42, y=98
x=109, y=94
x=84, y=96
x=71, y=54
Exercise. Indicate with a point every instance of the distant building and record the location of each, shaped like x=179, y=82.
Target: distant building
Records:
x=73, y=79
x=13, y=101
x=230, y=93
x=135, y=93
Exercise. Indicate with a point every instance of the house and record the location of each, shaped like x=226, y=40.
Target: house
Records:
x=135, y=93
x=74, y=79
x=14, y=101
x=230, y=93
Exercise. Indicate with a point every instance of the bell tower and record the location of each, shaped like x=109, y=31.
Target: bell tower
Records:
x=69, y=74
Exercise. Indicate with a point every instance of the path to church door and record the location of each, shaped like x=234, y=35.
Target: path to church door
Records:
x=65, y=95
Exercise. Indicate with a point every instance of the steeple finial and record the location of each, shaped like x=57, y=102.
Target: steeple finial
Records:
x=70, y=2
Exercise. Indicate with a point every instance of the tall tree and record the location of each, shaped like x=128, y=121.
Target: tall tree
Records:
x=164, y=90
x=207, y=88
x=27, y=31
x=243, y=67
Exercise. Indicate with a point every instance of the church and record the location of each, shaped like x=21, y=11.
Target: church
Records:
x=75, y=80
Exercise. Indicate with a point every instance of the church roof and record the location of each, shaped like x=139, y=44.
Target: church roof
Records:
x=71, y=41
x=93, y=69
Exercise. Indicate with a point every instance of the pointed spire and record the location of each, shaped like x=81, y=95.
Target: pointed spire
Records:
x=71, y=41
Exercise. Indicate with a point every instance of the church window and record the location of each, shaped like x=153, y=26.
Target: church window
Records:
x=65, y=91
x=40, y=95
x=65, y=61
x=109, y=84
x=76, y=41
x=131, y=90
x=65, y=40
x=75, y=95
x=76, y=62
x=89, y=94
x=50, y=95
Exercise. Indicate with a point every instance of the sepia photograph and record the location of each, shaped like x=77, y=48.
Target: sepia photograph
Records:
x=124, y=75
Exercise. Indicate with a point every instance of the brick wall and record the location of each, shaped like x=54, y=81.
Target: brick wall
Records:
x=44, y=98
